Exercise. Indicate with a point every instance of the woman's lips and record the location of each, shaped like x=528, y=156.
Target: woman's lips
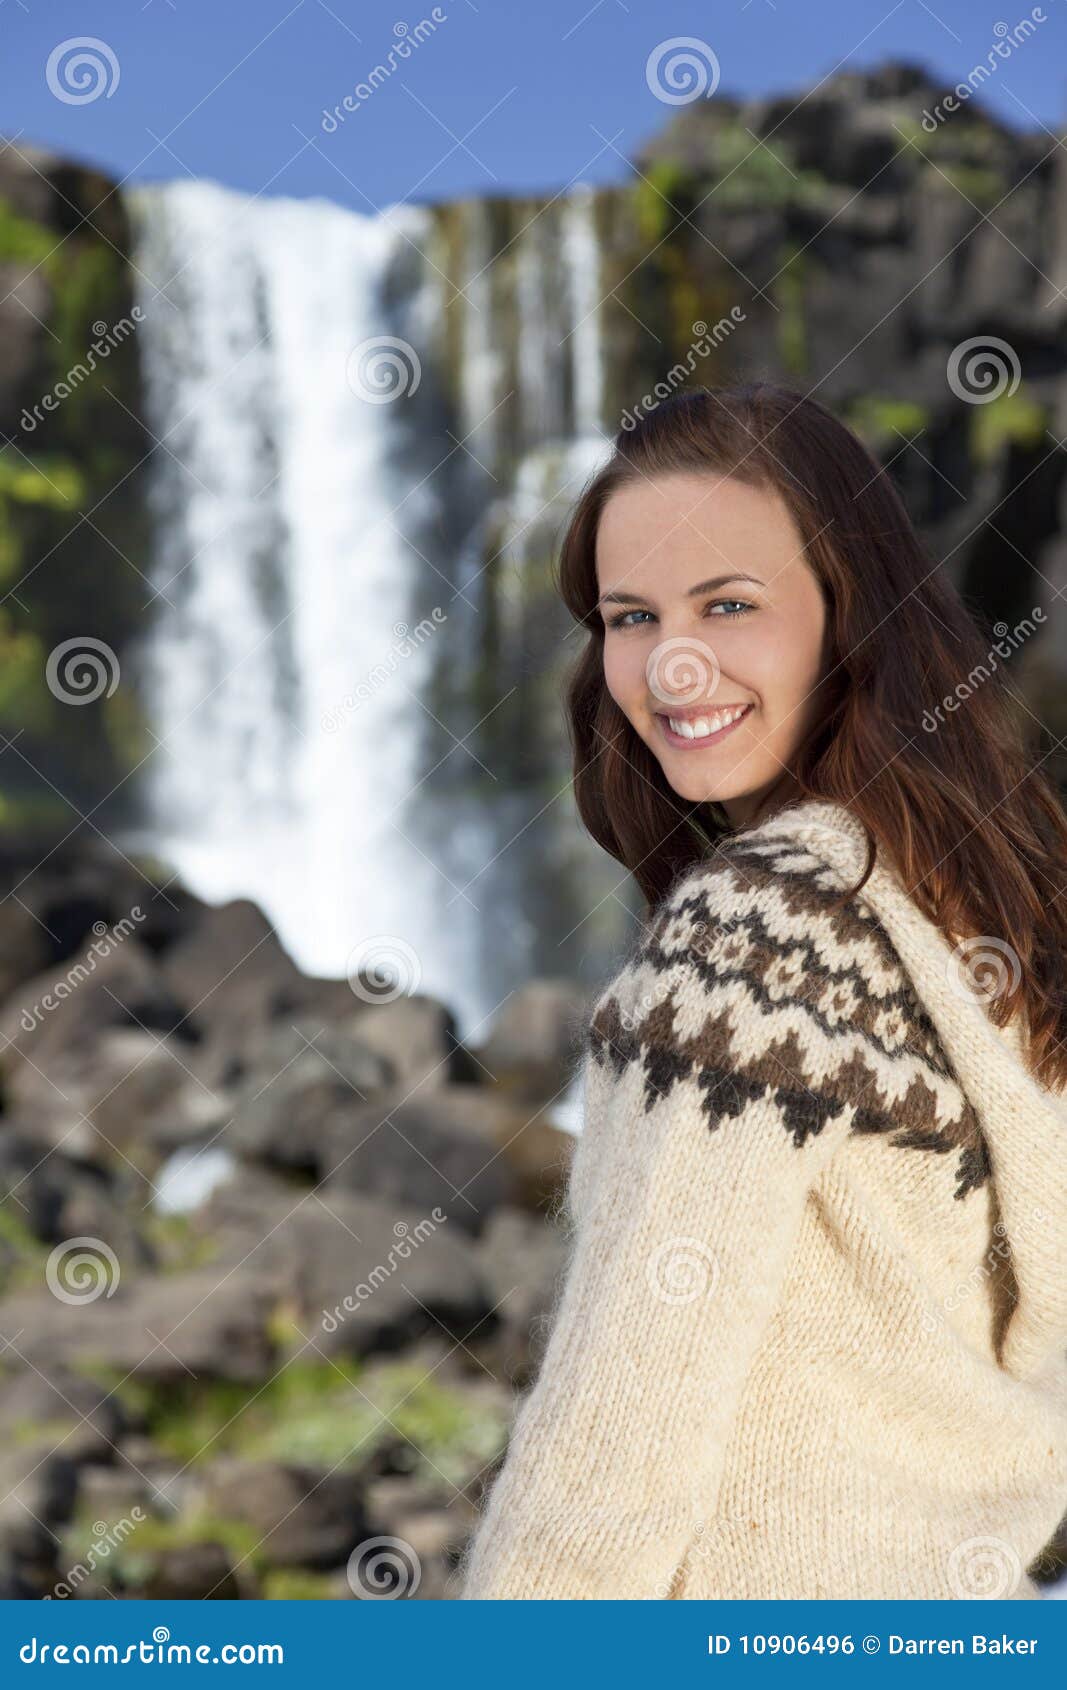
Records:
x=705, y=743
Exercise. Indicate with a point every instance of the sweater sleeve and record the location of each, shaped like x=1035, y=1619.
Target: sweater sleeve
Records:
x=709, y=1111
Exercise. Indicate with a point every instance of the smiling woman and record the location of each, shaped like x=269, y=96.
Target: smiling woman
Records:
x=812, y=1337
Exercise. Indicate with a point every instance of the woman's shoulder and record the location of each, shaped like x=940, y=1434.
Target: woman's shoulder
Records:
x=761, y=961
x=773, y=893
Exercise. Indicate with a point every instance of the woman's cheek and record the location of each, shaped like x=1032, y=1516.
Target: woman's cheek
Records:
x=619, y=676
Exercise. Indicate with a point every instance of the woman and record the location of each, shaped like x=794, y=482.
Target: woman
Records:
x=812, y=1337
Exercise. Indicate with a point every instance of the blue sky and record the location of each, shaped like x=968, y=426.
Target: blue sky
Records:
x=501, y=96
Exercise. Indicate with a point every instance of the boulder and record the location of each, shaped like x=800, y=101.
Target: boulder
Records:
x=50, y=1424
x=137, y=1080
x=52, y=1027
x=417, y=1038
x=535, y=1037
x=25, y=947
x=58, y=1196
x=522, y=1258
x=358, y=1274
x=442, y=1148
x=230, y=969
x=302, y=1518
x=297, y=1077
x=196, y=1572
x=198, y=1324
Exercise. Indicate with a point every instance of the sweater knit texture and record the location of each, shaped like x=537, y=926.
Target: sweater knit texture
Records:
x=811, y=1335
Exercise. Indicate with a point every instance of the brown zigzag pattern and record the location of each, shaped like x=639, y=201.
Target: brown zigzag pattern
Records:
x=769, y=953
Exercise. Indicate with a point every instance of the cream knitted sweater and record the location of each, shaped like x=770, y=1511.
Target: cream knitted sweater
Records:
x=811, y=1340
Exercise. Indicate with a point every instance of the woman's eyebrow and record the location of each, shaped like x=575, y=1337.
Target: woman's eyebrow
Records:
x=708, y=586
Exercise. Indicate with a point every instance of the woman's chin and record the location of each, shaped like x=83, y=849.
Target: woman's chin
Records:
x=688, y=785
x=694, y=788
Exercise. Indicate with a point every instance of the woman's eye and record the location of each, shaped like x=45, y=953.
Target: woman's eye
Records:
x=741, y=607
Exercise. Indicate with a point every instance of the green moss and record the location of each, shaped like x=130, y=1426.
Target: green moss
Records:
x=982, y=184
x=86, y=293
x=961, y=155
x=38, y=814
x=178, y=1244
x=30, y=1255
x=1013, y=418
x=754, y=176
x=23, y=241
x=296, y=1584
x=49, y=480
x=87, y=278
x=23, y=700
x=880, y=420
x=61, y=577
x=126, y=726
x=50, y=1432
x=792, y=330
x=957, y=139
x=321, y=1414
x=14, y=1231
x=661, y=194
x=132, y=1559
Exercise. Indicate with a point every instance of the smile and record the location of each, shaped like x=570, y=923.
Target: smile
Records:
x=699, y=732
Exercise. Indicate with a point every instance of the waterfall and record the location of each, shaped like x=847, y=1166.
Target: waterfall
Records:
x=353, y=609
x=581, y=251
x=286, y=659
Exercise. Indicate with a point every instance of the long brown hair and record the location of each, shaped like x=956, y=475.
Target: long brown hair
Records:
x=976, y=832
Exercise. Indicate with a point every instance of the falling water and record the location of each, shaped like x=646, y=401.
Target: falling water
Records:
x=287, y=655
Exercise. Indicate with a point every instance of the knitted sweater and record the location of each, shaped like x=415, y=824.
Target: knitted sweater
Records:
x=811, y=1338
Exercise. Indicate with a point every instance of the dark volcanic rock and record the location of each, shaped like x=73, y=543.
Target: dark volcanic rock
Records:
x=402, y=1271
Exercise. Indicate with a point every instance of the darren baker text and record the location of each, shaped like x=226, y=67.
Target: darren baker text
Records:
x=980, y=1645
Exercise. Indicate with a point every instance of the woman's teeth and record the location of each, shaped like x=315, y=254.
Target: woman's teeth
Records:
x=703, y=726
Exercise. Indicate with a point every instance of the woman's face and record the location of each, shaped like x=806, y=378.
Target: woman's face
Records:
x=709, y=609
